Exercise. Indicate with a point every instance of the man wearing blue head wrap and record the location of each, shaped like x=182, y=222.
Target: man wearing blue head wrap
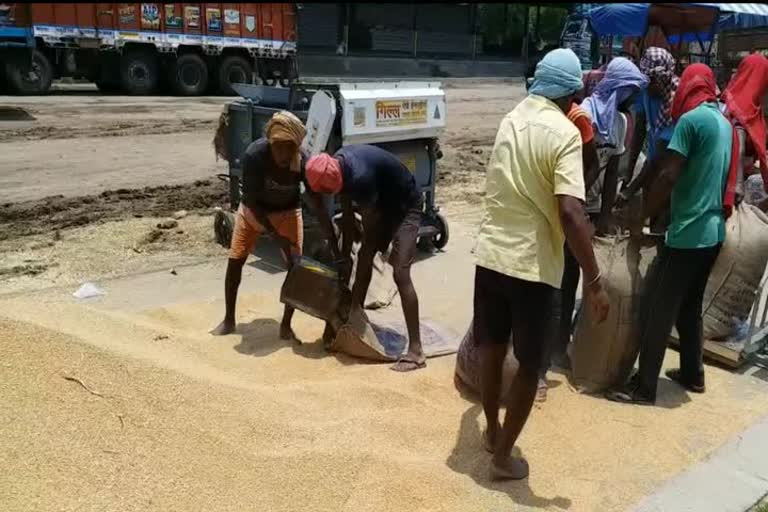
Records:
x=558, y=75
x=608, y=106
x=533, y=205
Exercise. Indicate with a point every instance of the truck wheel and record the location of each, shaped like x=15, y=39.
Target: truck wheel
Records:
x=35, y=79
x=189, y=75
x=234, y=70
x=138, y=73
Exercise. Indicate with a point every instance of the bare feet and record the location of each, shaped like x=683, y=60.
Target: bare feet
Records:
x=224, y=328
x=511, y=468
x=409, y=363
x=489, y=438
x=286, y=333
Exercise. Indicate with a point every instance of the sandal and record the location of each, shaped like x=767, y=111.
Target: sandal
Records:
x=406, y=365
x=677, y=376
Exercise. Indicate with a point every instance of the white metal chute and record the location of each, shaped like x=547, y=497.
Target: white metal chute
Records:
x=320, y=118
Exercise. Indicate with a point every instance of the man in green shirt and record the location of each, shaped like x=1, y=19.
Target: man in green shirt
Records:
x=695, y=174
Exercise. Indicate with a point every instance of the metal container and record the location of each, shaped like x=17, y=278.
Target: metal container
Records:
x=313, y=288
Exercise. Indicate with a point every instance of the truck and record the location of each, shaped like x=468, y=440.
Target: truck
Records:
x=142, y=48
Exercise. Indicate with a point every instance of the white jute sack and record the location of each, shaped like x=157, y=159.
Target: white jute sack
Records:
x=732, y=286
x=603, y=355
x=384, y=339
x=468, y=364
x=382, y=290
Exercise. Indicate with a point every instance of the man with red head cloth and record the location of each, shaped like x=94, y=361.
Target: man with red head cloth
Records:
x=699, y=175
x=390, y=203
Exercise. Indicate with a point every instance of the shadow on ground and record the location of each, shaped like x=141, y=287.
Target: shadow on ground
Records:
x=469, y=458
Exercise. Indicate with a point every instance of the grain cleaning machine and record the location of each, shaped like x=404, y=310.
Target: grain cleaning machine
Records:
x=405, y=118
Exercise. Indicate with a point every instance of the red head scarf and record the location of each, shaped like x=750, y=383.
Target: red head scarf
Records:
x=742, y=98
x=697, y=86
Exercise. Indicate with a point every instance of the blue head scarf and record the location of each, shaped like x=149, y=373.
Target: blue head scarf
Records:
x=557, y=75
x=622, y=78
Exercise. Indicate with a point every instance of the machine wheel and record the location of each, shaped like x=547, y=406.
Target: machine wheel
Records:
x=223, y=226
x=139, y=73
x=440, y=240
x=234, y=70
x=189, y=75
x=34, y=80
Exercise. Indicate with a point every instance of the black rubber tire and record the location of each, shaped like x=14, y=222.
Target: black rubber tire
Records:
x=189, y=75
x=139, y=73
x=233, y=70
x=440, y=240
x=37, y=82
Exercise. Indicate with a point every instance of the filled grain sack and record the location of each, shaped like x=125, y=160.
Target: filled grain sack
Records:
x=381, y=339
x=732, y=285
x=468, y=365
x=603, y=355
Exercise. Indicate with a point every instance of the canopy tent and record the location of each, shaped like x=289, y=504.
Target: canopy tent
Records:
x=682, y=19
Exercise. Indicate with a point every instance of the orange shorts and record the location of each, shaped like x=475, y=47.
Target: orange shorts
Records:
x=248, y=229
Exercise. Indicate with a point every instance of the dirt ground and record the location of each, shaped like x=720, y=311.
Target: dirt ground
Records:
x=85, y=184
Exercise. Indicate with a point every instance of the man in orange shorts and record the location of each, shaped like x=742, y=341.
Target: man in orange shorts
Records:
x=270, y=202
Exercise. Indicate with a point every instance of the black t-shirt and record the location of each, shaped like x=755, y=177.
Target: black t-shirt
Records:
x=264, y=184
x=374, y=177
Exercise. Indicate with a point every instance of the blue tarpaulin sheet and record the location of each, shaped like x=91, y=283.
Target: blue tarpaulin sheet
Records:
x=631, y=20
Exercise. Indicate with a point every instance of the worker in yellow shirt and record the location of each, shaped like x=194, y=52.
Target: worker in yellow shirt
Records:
x=533, y=204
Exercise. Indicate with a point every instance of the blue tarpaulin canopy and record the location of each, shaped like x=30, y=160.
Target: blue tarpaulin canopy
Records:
x=631, y=20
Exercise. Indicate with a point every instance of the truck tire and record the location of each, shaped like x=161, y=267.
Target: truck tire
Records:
x=234, y=70
x=35, y=80
x=138, y=73
x=189, y=75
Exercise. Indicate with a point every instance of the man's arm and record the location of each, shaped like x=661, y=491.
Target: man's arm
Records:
x=661, y=188
x=315, y=202
x=648, y=173
x=577, y=231
x=365, y=258
x=591, y=164
x=610, y=184
x=638, y=140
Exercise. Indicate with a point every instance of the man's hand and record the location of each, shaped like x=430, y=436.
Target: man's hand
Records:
x=621, y=199
x=599, y=302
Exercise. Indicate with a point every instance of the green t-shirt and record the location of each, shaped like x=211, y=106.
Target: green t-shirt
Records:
x=704, y=137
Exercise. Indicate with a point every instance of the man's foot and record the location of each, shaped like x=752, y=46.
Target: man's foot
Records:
x=409, y=363
x=562, y=361
x=224, y=328
x=286, y=333
x=541, y=391
x=694, y=387
x=629, y=395
x=489, y=438
x=511, y=468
